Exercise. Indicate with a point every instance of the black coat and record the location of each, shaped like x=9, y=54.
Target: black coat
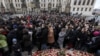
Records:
x=71, y=35
x=26, y=42
x=44, y=34
x=56, y=32
x=83, y=37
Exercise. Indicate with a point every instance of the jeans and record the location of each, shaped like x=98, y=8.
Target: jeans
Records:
x=60, y=42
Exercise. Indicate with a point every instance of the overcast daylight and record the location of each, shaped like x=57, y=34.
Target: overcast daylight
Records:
x=97, y=4
x=49, y=27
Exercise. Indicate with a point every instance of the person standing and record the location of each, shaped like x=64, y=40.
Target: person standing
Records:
x=26, y=41
x=16, y=47
x=51, y=39
x=3, y=45
x=61, y=37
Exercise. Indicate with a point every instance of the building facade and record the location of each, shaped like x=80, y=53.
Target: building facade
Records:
x=6, y=4
x=53, y=4
x=0, y=5
x=96, y=12
x=17, y=5
x=82, y=6
x=85, y=7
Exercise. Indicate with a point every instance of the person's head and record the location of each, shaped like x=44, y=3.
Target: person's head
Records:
x=50, y=25
x=43, y=25
x=66, y=26
x=83, y=29
x=14, y=41
x=1, y=30
x=63, y=29
x=78, y=27
x=71, y=26
x=25, y=31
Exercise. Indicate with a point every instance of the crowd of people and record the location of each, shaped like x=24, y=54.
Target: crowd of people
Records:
x=47, y=31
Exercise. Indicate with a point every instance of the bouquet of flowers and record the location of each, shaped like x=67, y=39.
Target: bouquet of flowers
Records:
x=61, y=53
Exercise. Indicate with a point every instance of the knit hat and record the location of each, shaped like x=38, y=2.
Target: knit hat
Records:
x=14, y=40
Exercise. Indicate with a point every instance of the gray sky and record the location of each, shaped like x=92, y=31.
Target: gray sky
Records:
x=97, y=4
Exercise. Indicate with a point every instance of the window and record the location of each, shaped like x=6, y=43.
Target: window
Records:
x=32, y=9
x=73, y=9
x=84, y=2
x=92, y=2
x=10, y=0
x=18, y=0
x=18, y=9
x=44, y=5
x=81, y=9
x=75, y=2
x=53, y=5
x=16, y=5
x=85, y=9
x=79, y=2
x=57, y=0
x=90, y=9
x=5, y=0
x=41, y=5
x=77, y=9
x=19, y=5
x=42, y=0
x=88, y=2
x=7, y=5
